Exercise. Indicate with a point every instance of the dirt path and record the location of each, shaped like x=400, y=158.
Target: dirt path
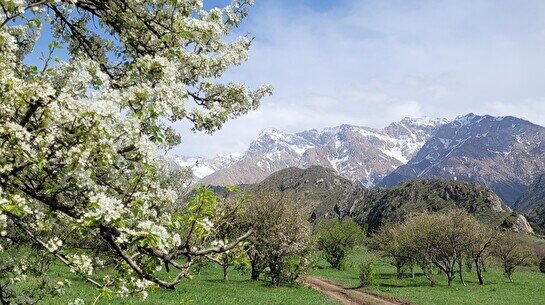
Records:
x=349, y=296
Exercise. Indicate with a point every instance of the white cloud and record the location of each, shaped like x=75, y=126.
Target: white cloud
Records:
x=374, y=62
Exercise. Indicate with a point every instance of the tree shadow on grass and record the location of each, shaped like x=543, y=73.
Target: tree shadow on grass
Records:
x=261, y=282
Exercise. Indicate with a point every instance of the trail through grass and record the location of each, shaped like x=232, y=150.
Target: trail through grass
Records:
x=528, y=288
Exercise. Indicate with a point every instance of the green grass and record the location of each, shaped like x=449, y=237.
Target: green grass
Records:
x=528, y=286
x=209, y=288
x=205, y=288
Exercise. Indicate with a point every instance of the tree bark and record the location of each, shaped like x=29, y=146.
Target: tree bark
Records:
x=479, y=270
x=399, y=270
x=225, y=267
x=255, y=270
x=428, y=274
x=461, y=271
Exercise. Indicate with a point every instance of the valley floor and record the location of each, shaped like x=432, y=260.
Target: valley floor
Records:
x=527, y=288
x=208, y=287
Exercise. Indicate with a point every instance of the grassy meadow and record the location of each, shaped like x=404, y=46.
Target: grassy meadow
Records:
x=208, y=287
x=527, y=288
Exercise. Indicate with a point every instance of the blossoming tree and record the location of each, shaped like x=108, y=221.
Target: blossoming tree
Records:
x=80, y=135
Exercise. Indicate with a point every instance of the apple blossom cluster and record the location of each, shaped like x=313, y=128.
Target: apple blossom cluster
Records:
x=80, y=137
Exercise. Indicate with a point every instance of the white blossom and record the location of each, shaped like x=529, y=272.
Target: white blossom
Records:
x=81, y=263
x=77, y=301
x=82, y=138
x=53, y=244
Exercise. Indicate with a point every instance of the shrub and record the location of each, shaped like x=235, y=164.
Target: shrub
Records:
x=287, y=269
x=367, y=271
x=335, y=238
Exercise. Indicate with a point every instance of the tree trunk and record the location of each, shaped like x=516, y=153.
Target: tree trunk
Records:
x=460, y=269
x=255, y=270
x=450, y=274
x=428, y=274
x=399, y=270
x=479, y=270
x=225, y=267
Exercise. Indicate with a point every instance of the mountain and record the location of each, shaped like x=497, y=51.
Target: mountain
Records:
x=537, y=216
x=534, y=195
x=320, y=189
x=202, y=167
x=435, y=195
x=329, y=195
x=361, y=154
x=533, y=202
x=502, y=153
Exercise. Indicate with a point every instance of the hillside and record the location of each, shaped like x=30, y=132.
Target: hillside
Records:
x=320, y=189
x=326, y=194
x=434, y=195
x=533, y=197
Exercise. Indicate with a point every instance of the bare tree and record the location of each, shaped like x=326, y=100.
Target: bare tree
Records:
x=389, y=242
x=512, y=253
x=483, y=238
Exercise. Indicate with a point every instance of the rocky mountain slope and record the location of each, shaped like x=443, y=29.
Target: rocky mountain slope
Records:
x=503, y=153
x=537, y=216
x=533, y=197
x=320, y=189
x=532, y=203
x=435, y=195
x=361, y=154
x=330, y=196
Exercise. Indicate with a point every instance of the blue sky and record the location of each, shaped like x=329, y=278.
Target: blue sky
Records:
x=373, y=62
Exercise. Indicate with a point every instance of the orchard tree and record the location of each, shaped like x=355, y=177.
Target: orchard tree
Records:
x=452, y=239
x=335, y=238
x=228, y=225
x=389, y=242
x=482, y=240
x=511, y=252
x=417, y=236
x=282, y=243
x=81, y=132
x=440, y=240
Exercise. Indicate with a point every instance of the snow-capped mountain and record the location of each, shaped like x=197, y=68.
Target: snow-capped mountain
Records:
x=503, y=153
x=361, y=154
x=202, y=167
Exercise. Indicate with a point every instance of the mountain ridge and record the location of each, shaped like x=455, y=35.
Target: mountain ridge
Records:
x=503, y=153
x=361, y=154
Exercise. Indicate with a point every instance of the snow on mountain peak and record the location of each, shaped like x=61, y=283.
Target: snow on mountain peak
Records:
x=272, y=133
x=358, y=153
x=202, y=167
x=467, y=119
x=428, y=121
